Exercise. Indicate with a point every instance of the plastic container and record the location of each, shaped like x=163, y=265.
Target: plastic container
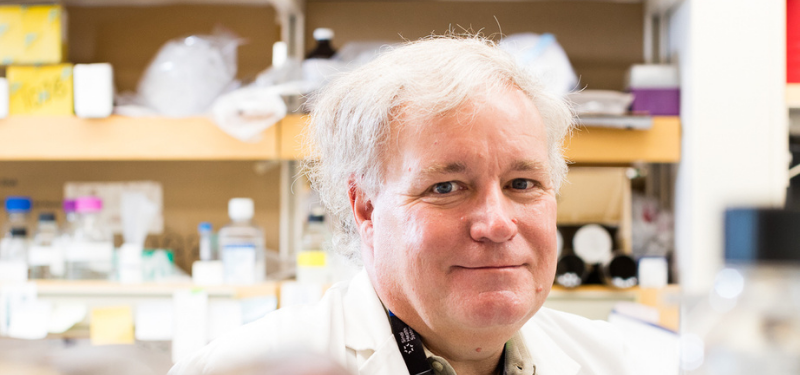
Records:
x=89, y=254
x=312, y=262
x=241, y=245
x=44, y=247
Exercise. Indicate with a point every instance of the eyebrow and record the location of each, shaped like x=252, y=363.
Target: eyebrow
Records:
x=524, y=165
x=527, y=165
x=445, y=169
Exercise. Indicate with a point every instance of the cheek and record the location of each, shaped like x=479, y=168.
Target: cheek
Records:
x=540, y=229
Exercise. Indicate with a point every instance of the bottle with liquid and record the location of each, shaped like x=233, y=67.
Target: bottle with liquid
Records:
x=241, y=245
x=18, y=210
x=323, y=49
x=13, y=256
x=206, y=241
x=44, y=246
x=90, y=251
x=312, y=264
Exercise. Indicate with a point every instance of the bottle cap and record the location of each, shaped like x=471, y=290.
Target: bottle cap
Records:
x=19, y=232
x=18, y=204
x=47, y=216
x=241, y=208
x=204, y=227
x=69, y=205
x=753, y=235
x=323, y=33
x=88, y=204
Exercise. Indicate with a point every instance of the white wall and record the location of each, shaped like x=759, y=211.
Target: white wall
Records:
x=731, y=54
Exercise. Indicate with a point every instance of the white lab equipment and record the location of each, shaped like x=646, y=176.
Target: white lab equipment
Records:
x=137, y=214
x=3, y=98
x=312, y=263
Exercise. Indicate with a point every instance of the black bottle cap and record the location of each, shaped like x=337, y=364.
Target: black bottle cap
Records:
x=19, y=232
x=753, y=235
x=47, y=216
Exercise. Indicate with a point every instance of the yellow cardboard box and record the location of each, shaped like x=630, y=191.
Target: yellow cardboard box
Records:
x=32, y=34
x=40, y=90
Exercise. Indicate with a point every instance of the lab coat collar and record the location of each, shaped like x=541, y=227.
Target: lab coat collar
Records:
x=547, y=356
x=366, y=323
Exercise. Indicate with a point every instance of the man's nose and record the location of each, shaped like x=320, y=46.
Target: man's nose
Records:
x=492, y=219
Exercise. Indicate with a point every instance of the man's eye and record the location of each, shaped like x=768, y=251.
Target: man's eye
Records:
x=444, y=187
x=522, y=184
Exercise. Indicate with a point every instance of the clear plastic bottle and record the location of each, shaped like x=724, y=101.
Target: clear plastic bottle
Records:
x=312, y=263
x=44, y=246
x=13, y=256
x=749, y=323
x=90, y=251
x=205, y=230
x=17, y=211
x=241, y=245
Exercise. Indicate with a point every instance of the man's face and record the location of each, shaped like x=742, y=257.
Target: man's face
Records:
x=463, y=231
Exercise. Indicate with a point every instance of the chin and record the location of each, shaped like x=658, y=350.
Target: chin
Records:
x=498, y=309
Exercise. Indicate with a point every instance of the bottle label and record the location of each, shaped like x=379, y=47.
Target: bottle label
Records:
x=239, y=263
x=40, y=255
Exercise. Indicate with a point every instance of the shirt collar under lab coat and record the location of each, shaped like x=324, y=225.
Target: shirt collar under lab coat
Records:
x=368, y=333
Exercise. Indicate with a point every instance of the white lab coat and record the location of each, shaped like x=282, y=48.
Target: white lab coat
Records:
x=350, y=326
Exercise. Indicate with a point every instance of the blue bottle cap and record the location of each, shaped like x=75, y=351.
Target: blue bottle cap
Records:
x=204, y=227
x=18, y=204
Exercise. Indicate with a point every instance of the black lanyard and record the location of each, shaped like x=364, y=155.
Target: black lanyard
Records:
x=410, y=346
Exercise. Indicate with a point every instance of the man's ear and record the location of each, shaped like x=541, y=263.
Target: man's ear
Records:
x=361, y=205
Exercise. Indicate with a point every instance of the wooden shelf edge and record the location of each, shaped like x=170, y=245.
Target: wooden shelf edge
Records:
x=28, y=138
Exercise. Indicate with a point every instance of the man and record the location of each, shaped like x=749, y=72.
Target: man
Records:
x=439, y=162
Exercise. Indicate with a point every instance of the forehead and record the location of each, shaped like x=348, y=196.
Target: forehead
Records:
x=504, y=127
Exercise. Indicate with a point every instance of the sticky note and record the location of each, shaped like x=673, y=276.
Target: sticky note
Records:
x=111, y=325
x=31, y=34
x=40, y=90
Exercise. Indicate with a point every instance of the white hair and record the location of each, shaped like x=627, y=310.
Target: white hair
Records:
x=352, y=117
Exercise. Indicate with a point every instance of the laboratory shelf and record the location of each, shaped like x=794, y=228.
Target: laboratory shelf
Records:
x=661, y=143
x=125, y=138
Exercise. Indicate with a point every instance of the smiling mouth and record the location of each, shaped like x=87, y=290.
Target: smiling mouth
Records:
x=491, y=267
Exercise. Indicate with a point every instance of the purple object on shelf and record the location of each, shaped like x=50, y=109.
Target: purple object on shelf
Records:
x=88, y=204
x=657, y=102
x=69, y=205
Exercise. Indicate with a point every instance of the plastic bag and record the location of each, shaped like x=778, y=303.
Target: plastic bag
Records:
x=245, y=113
x=543, y=57
x=188, y=73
